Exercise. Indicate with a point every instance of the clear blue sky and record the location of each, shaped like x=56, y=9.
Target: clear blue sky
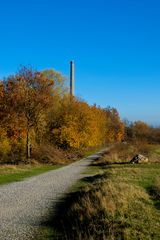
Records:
x=115, y=45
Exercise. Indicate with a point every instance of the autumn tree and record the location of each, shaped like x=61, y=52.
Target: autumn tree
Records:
x=140, y=129
x=77, y=125
x=36, y=108
x=71, y=126
x=30, y=92
x=114, y=126
x=59, y=80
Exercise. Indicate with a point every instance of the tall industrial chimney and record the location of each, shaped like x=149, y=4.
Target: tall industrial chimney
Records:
x=72, y=78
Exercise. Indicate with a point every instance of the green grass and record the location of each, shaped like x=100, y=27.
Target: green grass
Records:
x=45, y=233
x=142, y=175
x=116, y=202
x=14, y=173
x=112, y=202
x=10, y=174
x=155, y=149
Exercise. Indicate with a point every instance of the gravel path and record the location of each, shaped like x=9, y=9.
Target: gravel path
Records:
x=24, y=205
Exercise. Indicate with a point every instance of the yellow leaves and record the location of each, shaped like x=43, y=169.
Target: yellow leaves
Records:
x=35, y=106
x=140, y=127
x=67, y=137
x=5, y=146
x=110, y=136
x=120, y=133
x=80, y=125
x=114, y=126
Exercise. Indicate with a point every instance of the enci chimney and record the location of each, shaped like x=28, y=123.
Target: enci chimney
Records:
x=72, y=78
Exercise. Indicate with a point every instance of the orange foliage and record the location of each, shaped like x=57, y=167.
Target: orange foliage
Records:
x=79, y=125
x=34, y=108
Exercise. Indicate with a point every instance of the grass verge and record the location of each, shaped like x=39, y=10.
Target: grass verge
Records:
x=124, y=152
x=119, y=203
x=14, y=173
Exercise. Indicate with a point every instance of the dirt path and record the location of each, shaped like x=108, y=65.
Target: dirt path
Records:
x=24, y=205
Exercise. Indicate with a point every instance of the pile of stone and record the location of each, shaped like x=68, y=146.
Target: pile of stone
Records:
x=139, y=159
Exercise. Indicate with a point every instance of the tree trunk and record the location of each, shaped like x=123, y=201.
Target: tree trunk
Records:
x=28, y=145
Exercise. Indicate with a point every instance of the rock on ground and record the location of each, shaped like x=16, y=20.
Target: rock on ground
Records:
x=139, y=159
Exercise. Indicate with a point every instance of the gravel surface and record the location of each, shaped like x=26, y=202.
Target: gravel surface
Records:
x=24, y=205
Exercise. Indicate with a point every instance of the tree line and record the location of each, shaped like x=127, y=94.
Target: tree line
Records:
x=141, y=131
x=36, y=109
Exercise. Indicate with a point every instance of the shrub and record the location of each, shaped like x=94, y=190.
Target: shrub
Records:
x=48, y=154
x=12, y=151
x=5, y=148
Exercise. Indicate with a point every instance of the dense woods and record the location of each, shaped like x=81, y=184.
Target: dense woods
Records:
x=36, y=110
x=39, y=117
